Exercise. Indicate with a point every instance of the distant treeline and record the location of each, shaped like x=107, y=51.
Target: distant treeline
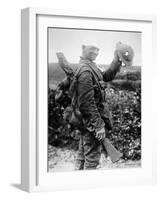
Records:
x=127, y=78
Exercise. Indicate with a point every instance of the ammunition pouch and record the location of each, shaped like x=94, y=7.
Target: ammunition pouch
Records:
x=73, y=116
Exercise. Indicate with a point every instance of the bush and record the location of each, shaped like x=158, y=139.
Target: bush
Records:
x=126, y=110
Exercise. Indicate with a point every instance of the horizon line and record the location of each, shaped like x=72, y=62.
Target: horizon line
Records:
x=139, y=65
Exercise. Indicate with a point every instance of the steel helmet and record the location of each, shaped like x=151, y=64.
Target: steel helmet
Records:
x=125, y=53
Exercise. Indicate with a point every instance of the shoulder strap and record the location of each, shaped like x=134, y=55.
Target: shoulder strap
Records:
x=94, y=73
x=77, y=70
x=74, y=81
x=73, y=89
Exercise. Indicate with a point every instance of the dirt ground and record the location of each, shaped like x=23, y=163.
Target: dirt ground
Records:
x=62, y=159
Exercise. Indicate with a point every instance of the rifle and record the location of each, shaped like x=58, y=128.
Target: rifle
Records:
x=111, y=151
x=63, y=63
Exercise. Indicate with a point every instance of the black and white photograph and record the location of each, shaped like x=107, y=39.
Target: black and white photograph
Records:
x=94, y=99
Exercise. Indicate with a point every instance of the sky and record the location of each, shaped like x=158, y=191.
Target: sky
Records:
x=70, y=41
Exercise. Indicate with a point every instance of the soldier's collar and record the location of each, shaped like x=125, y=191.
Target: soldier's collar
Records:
x=85, y=60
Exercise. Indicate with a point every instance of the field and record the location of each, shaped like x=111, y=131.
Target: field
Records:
x=124, y=98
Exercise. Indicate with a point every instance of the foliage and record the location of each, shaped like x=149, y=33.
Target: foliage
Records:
x=125, y=106
x=126, y=110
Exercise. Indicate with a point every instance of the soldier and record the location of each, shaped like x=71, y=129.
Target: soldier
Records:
x=92, y=105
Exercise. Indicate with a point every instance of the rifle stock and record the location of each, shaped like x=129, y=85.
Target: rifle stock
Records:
x=113, y=153
x=64, y=64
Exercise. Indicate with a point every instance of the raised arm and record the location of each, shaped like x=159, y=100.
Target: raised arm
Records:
x=109, y=74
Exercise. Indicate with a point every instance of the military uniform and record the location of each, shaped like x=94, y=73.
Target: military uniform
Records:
x=94, y=110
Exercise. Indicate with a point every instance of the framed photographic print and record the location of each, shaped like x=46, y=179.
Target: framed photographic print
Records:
x=87, y=115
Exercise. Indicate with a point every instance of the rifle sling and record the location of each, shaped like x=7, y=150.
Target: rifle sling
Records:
x=74, y=100
x=94, y=73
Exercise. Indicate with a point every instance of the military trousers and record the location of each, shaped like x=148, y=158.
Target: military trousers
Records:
x=89, y=151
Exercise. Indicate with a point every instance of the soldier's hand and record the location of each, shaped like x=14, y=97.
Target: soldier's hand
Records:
x=100, y=135
x=116, y=56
